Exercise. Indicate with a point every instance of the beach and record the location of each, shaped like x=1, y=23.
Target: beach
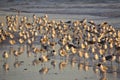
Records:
x=30, y=64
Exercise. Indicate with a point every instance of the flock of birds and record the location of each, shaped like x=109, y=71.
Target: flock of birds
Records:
x=72, y=40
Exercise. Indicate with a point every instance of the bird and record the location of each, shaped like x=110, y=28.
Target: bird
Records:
x=44, y=70
x=16, y=54
x=21, y=49
x=11, y=35
x=36, y=51
x=68, y=22
x=73, y=50
x=92, y=22
x=102, y=68
x=35, y=62
x=5, y=55
x=18, y=63
x=111, y=58
x=62, y=65
x=80, y=54
x=53, y=53
x=82, y=46
x=67, y=48
x=43, y=58
x=21, y=41
x=12, y=42
x=96, y=57
x=86, y=55
x=63, y=53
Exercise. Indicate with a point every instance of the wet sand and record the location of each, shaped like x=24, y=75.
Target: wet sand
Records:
x=26, y=68
x=71, y=71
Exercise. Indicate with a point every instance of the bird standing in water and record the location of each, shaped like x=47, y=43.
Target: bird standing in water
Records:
x=110, y=58
x=102, y=68
x=5, y=55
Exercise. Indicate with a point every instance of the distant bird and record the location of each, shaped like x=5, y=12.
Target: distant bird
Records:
x=80, y=54
x=16, y=54
x=111, y=58
x=96, y=57
x=83, y=46
x=12, y=42
x=35, y=62
x=5, y=55
x=18, y=63
x=43, y=58
x=92, y=22
x=70, y=45
x=36, y=51
x=86, y=55
x=63, y=53
x=44, y=70
x=68, y=22
x=21, y=41
x=62, y=65
x=73, y=50
x=102, y=68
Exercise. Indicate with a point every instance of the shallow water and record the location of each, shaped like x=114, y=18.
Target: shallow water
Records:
x=70, y=71
x=79, y=70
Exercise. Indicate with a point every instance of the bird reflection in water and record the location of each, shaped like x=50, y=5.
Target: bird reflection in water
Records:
x=73, y=62
x=62, y=65
x=18, y=64
x=6, y=67
x=103, y=77
x=44, y=70
x=86, y=66
x=80, y=66
x=53, y=63
x=36, y=62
